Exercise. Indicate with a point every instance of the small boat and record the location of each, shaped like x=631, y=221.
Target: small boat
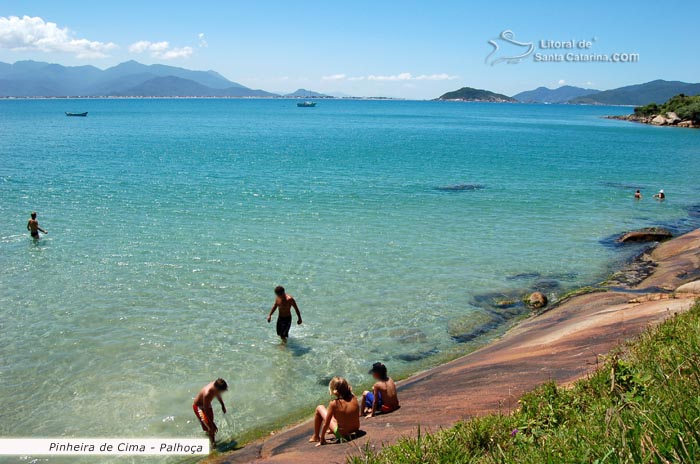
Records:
x=306, y=104
x=82, y=115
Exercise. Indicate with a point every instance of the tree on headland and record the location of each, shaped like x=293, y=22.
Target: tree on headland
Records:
x=686, y=107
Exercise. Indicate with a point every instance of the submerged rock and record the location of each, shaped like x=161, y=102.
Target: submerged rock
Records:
x=693, y=211
x=547, y=285
x=466, y=328
x=537, y=300
x=409, y=335
x=412, y=357
x=525, y=276
x=648, y=234
x=460, y=188
x=641, y=267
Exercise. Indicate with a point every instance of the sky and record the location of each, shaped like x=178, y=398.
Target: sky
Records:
x=404, y=49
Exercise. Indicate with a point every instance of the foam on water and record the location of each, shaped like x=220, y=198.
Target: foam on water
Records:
x=171, y=221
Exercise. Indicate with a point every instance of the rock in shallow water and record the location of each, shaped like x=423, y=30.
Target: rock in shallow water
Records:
x=460, y=188
x=408, y=336
x=537, y=300
x=467, y=328
x=648, y=234
x=412, y=357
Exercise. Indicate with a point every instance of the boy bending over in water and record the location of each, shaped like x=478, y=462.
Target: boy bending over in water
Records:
x=383, y=397
x=341, y=418
x=202, y=406
x=284, y=303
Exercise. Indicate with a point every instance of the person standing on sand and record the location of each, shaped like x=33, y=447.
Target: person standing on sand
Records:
x=34, y=228
x=202, y=406
x=284, y=303
x=341, y=418
x=637, y=195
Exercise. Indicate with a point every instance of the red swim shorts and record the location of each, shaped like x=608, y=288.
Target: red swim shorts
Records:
x=203, y=419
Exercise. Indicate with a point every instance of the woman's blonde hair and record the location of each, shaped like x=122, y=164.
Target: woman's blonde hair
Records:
x=340, y=388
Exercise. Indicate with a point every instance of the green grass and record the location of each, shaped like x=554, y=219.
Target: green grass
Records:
x=641, y=406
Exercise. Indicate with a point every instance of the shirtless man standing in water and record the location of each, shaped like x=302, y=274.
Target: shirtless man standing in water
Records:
x=284, y=303
x=34, y=228
x=202, y=406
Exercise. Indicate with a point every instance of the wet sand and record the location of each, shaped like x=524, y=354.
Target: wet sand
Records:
x=563, y=344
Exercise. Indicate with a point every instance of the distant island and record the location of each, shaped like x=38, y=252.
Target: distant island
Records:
x=680, y=110
x=632, y=95
x=304, y=93
x=469, y=94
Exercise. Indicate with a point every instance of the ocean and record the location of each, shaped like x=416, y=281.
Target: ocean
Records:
x=395, y=224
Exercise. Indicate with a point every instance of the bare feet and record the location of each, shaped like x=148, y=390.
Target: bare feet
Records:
x=314, y=439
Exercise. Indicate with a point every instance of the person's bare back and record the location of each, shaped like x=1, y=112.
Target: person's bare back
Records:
x=383, y=398
x=387, y=388
x=34, y=228
x=347, y=415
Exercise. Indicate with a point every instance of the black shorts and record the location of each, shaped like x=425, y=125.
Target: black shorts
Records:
x=283, y=326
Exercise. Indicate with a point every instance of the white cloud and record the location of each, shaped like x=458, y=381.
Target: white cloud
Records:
x=561, y=82
x=160, y=50
x=410, y=77
x=334, y=77
x=202, y=40
x=406, y=76
x=33, y=33
x=173, y=53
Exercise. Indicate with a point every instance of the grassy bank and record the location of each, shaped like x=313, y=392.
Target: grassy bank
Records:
x=642, y=405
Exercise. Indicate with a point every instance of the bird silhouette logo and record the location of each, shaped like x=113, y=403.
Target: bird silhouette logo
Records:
x=516, y=51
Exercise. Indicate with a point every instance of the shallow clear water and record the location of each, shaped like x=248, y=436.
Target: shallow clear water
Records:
x=171, y=221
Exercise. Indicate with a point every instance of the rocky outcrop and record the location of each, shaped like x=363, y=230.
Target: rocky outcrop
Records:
x=690, y=287
x=658, y=121
x=672, y=118
x=668, y=119
x=648, y=234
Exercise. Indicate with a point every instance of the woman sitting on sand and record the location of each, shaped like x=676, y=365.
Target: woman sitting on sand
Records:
x=342, y=418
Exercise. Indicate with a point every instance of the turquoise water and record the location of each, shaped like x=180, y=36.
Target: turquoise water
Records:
x=171, y=221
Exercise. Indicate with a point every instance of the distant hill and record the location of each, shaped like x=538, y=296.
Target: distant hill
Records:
x=171, y=86
x=303, y=93
x=476, y=95
x=560, y=95
x=657, y=91
x=39, y=79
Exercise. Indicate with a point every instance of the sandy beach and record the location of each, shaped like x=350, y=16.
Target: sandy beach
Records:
x=563, y=344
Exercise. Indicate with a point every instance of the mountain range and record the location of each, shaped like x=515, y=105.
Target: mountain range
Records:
x=134, y=79
x=39, y=79
x=562, y=94
x=657, y=91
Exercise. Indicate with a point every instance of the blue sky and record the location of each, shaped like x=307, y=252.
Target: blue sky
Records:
x=411, y=49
